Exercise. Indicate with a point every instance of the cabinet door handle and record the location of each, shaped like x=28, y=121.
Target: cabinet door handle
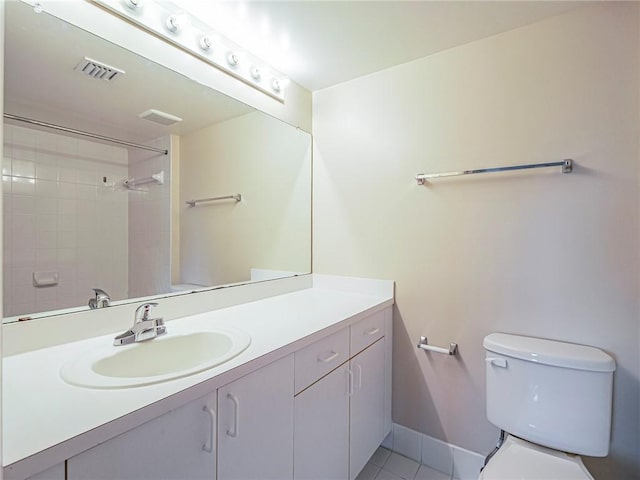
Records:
x=332, y=356
x=359, y=367
x=349, y=382
x=236, y=412
x=212, y=426
x=372, y=331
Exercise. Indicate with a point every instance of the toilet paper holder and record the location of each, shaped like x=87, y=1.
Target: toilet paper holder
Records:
x=424, y=345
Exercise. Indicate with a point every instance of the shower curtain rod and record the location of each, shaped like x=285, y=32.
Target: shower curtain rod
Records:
x=84, y=134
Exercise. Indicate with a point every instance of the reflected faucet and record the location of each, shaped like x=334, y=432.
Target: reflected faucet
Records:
x=144, y=328
x=101, y=300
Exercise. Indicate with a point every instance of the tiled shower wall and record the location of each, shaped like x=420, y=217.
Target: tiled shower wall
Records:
x=65, y=211
x=150, y=223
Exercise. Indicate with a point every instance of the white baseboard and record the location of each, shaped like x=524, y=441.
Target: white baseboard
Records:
x=458, y=462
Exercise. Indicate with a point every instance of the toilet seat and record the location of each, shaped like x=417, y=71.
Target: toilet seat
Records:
x=522, y=460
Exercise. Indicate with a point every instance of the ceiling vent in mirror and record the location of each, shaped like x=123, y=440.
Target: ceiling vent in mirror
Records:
x=159, y=117
x=98, y=70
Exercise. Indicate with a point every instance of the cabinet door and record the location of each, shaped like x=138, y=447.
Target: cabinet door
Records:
x=177, y=445
x=321, y=450
x=255, y=427
x=367, y=405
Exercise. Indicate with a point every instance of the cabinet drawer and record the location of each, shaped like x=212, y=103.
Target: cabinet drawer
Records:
x=366, y=331
x=318, y=359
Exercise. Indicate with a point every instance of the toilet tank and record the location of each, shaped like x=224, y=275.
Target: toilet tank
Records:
x=551, y=393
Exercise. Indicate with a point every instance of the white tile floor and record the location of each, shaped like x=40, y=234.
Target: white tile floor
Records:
x=387, y=465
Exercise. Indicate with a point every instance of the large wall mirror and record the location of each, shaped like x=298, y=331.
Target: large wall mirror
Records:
x=81, y=212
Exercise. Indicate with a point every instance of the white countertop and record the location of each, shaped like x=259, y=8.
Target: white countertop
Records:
x=44, y=415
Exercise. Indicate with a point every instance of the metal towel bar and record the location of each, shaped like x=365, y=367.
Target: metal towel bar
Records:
x=567, y=167
x=157, y=178
x=424, y=345
x=192, y=203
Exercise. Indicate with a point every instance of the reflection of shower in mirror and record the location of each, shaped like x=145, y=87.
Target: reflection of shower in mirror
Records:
x=87, y=210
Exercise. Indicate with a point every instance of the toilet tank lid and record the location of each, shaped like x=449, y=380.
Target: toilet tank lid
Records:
x=550, y=352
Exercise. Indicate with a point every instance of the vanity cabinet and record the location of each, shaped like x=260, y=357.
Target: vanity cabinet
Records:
x=342, y=418
x=317, y=414
x=177, y=445
x=366, y=422
x=255, y=424
x=252, y=438
x=323, y=383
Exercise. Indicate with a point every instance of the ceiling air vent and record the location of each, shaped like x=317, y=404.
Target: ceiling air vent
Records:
x=98, y=70
x=162, y=118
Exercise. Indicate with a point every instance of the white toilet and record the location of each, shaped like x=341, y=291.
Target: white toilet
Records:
x=552, y=401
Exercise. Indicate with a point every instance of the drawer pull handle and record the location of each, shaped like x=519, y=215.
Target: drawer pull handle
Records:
x=208, y=447
x=332, y=356
x=236, y=408
x=372, y=331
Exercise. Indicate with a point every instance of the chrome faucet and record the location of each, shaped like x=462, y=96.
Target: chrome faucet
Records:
x=101, y=300
x=144, y=328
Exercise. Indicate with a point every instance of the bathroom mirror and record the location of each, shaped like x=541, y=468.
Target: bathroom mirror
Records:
x=81, y=212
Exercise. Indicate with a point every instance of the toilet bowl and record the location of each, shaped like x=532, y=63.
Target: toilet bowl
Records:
x=519, y=459
x=552, y=400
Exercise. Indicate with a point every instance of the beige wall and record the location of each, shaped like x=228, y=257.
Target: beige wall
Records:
x=269, y=163
x=536, y=253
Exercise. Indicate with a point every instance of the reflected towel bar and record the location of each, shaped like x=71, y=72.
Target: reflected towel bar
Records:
x=424, y=345
x=567, y=167
x=192, y=203
x=157, y=178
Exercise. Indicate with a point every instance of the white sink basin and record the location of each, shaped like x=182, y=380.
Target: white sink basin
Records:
x=176, y=354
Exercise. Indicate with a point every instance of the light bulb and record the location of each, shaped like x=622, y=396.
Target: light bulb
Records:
x=233, y=59
x=256, y=73
x=206, y=42
x=278, y=84
x=177, y=21
x=133, y=4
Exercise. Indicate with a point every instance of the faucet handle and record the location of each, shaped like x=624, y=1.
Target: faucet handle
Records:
x=101, y=299
x=142, y=312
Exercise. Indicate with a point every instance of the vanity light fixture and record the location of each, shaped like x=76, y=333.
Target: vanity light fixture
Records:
x=174, y=25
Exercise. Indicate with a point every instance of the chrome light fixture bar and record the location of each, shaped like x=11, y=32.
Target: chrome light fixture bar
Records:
x=172, y=24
